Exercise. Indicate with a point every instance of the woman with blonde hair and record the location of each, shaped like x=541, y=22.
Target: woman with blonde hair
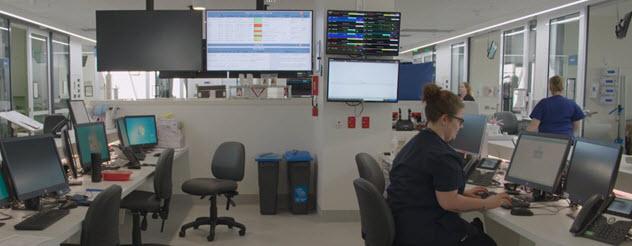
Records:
x=465, y=92
x=556, y=114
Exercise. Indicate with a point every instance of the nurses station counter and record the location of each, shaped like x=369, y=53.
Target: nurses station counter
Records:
x=544, y=229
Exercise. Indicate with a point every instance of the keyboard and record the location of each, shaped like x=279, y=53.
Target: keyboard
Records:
x=602, y=231
x=481, y=178
x=516, y=202
x=41, y=220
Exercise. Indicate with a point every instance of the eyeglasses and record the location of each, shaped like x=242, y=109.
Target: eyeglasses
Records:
x=461, y=120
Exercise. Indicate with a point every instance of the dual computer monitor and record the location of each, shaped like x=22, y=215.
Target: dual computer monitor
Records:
x=91, y=138
x=538, y=161
x=32, y=167
x=138, y=130
x=471, y=137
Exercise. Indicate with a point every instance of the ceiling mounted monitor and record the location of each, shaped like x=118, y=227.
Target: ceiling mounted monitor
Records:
x=239, y=40
x=363, y=33
x=139, y=40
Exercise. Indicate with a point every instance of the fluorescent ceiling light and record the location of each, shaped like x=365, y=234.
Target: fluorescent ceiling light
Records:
x=199, y=8
x=4, y=28
x=46, y=26
x=36, y=38
x=514, y=33
x=59, y=42
x=497, y=25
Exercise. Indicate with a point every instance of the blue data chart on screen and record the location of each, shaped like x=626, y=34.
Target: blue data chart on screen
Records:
x=259, y=40
x=91, y=139
x=141, y=130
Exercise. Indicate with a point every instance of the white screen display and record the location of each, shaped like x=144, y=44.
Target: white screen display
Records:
x=537, y=159
x=259, y=40
x=368, y=80
x=79, y=112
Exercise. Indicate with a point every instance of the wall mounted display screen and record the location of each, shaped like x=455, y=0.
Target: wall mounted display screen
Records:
x=258, y=40
x=363, y=33
x=160, y=40
x=362, y=80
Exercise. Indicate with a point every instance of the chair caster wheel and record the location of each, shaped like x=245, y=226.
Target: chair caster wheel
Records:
x=182, y=234
x=242, y=232
x=210, y=237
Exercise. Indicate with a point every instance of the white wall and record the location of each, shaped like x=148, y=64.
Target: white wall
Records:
x=443, y=64
x=262, y=126
x=484, y=72
x=76, y=70
x=605, y=50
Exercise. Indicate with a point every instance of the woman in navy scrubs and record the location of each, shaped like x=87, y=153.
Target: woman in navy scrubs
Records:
x=427, y=190
x=556, y=114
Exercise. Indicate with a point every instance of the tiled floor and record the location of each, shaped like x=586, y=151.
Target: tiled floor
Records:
x=281, y=229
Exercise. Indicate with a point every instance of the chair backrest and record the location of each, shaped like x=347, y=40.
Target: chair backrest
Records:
x=53, y=121
x=163, y=174
x=228, y=161
x=370, y=170
x=375, y=215
x=101, y=223
x=509, y=122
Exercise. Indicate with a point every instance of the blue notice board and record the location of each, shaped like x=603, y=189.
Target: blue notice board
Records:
x=413, y=78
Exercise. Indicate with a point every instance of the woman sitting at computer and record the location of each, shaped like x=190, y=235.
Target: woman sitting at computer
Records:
x=427, y=189
x=465, y=92
x=556, y=114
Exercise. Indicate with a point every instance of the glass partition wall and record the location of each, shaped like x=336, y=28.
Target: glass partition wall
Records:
x=60, y=73
x=563, y=51
x=5, y=80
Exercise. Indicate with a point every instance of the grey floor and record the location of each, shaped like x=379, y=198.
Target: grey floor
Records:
x=281, y=229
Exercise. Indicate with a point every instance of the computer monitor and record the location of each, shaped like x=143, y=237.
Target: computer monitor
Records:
x=4, y=190
x=91, y=138
x=538, y=160
x=33, y=166
x=141, y=130
x=122, y=131
x=471, y=107
x=78, y=112
x=470, y=138
x=593, y=169
x=352, y=80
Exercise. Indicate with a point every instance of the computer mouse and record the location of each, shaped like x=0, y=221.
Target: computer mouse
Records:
x=521, y=212
x=68, y=205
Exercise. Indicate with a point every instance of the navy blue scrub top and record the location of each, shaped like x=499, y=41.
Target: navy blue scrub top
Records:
x=424, y=165
x=556, y=115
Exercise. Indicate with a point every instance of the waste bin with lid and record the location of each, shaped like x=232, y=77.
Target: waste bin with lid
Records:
x=268, y=182
x=299, y=175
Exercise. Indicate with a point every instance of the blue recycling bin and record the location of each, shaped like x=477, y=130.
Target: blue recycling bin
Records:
x=268, y=182
x=299, y=176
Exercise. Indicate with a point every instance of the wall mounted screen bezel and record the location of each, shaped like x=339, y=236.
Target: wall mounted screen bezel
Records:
x=329, y=99
x=222, y=73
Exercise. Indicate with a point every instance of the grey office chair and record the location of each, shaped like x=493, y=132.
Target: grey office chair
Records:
x=227, y=167
x=100, y=225
x=370, y=170
x=509, y=122
x=375, y=215
x=157, y=202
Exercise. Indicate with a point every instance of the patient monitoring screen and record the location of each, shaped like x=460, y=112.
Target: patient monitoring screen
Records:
x=537, y=159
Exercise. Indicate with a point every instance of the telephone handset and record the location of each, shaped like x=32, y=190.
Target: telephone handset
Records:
x=591, y=210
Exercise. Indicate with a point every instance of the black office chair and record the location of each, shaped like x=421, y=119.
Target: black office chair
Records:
x=228, y=167
x=509, y=122
x=375, y=215
x=370, y=170
x=157, y=202
x=100, y=225
x=54, y=123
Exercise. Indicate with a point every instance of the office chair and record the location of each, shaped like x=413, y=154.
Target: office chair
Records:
x=509, y=122
x=227, y=166
x=375, y=215
x=54, y=123
x=371, y=171
x=100, y=225
x=157, y=202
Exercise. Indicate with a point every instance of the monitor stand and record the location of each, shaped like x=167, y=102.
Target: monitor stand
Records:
x=542, y=196
x=139, y=153
x=32, y=204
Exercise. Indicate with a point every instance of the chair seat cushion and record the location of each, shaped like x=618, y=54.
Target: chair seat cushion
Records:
x=141, y=201
x=208, y=186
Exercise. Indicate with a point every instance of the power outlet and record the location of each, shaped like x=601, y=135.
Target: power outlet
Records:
x=366, y=122
x=351, y=122
x=339, y=124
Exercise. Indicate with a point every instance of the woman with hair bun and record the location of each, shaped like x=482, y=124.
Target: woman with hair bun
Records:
x=427, y=190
